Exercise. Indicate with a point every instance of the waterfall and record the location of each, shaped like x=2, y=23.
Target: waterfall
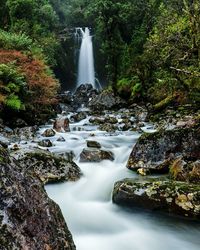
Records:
x=86, y=72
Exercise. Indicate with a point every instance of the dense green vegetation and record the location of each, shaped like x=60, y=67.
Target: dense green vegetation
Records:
x=150, y=48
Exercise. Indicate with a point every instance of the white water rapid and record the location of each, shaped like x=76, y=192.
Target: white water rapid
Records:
x=96, y=223
x=86, y=73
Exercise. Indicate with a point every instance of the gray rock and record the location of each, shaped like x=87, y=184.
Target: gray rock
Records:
x=61, y=139
x=45, y=143
x=95, y=155
x=82, y=95
x=50, y=167
x=30, y=219
x=106, y=100
x=156, y=151
x=108, y=127
x=93, y=144
x=78, y=117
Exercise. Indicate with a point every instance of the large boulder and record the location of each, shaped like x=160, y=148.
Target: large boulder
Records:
x=78, y=116
x=106, y=100
x=156, y=151
x=50, y=167
x=166, y=196
x=83, y=94
x=95, y=155
x=29, y=219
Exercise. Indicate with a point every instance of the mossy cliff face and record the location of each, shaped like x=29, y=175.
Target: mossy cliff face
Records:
x=167, y=196
x=28, y=218
x=156, y=151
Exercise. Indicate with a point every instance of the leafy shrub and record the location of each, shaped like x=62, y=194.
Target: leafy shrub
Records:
x=41, y=84
x=12, y=86
x=13, y=102
x=14, y=41
x=129, y=87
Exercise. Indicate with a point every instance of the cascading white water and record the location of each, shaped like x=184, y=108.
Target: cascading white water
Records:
x=96, y=223
x=86, y=72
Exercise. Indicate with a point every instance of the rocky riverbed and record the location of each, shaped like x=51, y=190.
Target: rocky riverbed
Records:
x=93, y=132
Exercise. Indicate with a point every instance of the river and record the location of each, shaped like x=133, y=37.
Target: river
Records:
x=95, y=222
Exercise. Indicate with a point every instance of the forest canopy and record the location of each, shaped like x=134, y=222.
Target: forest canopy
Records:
x=150, y=48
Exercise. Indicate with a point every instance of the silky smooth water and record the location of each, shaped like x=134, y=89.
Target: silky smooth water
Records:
x=96, y=223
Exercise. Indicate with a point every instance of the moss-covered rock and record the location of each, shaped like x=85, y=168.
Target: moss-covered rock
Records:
x=49, y=167
x=156, y=151
x=28, y=218
x=106, y=100
x=166, y=196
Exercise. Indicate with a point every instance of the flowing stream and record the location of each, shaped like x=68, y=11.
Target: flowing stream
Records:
x=96, y=223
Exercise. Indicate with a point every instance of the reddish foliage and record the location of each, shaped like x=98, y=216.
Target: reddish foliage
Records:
x=42, y=86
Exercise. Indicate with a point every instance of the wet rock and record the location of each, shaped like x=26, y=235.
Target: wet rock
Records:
x=106, y=100
x=65, y=97
x=4, y=142
x=30, y=220
x=111, y=119
x=166, y=196
x=49, y=133
x=83, y=94
x=69, y=156
x=78, y=117
x=19, y=123
x=25, y=133
x=50, y=167
x=108, y=127
x=61, y=125
x=45, y=143
x=93, y=144
x=140, y=112
x=97, y=120
x=95, y=155
x=156, y=151
x=61, y=139
x=126, y=126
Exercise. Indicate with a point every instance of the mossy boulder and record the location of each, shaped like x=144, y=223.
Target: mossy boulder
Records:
x=156, y=151
x=49, y=167
x=106, y=100
x=29, y=219
x=177, y=198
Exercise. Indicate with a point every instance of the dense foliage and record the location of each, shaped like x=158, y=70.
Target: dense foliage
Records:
x=146, y=50
x=150, y=48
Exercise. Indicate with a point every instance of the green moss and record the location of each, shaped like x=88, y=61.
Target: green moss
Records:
x=164, y=103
